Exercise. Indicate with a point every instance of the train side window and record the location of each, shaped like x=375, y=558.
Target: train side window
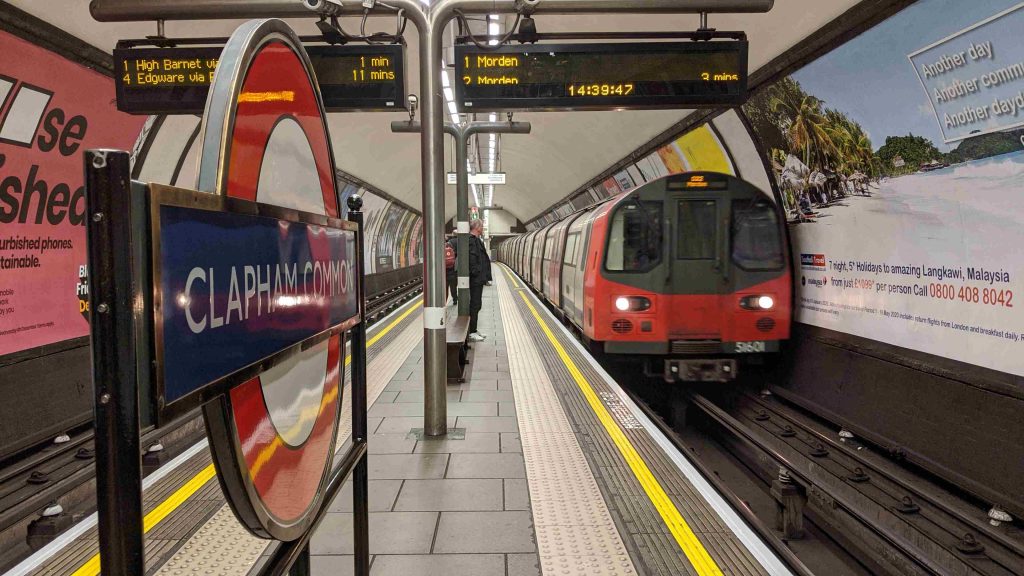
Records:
x=634, y=242
x=697, y=230
x=756, y=240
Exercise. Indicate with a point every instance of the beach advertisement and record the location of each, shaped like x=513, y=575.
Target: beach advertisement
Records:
x=900, y=158
x=51, y=111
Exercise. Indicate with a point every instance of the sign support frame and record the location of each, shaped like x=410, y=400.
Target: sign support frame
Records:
x=114, y=259
x=115, y=362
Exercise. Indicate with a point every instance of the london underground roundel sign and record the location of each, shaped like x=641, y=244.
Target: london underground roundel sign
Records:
x=264, y=139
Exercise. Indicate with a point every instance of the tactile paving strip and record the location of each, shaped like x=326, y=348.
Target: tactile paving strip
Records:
x=659, y=553
x=575, y=531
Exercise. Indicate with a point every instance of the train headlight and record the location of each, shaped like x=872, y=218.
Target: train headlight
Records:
x=763, y=302
x=632, y=303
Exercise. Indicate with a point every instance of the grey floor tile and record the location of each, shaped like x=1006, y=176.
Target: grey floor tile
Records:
x=473, y=409
x=382, y=496
x=507, y=408
x=478, y=384
x=480, y=442
x=484, y=532
x=440, y=565
x=489, y=374
x=404, y=466
x=403, y=424
x=403, y=374
x=488, y=424
x=517, y=494
x=386, y=397
x=488, y=396
x=504, y=384
x=511, y=442
x=391, y=444
x=523, y=565
x=404, y=385
x=450, y=495
x=332, y=565
x=396, y=409
x=486, y=466
x=390, y=533
x=372, y=424
x=417, y=396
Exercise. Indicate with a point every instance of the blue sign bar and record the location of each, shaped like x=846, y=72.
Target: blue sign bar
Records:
x=236, y=289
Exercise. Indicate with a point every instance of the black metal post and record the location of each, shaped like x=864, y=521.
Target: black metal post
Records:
x=114, y=362
x=360, y=476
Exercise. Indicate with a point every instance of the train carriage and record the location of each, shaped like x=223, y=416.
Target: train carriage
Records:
x=688, y=272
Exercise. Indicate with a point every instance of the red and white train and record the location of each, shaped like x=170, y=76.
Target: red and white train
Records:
x=689, y=272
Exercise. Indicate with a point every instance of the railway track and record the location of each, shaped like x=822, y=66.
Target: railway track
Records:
x=43, y=491
x=901, y=522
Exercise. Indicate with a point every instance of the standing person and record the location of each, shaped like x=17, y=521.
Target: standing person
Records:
x=479, y=275
x=451, y=269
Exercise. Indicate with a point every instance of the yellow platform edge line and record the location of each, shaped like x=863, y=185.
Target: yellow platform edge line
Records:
x=181, y=495
x=688, y=542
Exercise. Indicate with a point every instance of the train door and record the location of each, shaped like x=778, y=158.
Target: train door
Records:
x=526, y=269
x=699, y=262
x=582, y=257
x=574, y=246
x=553, y=287
x=536, y=259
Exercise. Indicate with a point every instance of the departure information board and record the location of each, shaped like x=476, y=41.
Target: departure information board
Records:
x=601, y=76
x=177, y=80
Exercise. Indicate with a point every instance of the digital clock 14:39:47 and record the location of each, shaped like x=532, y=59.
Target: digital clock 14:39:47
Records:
x=624, y=89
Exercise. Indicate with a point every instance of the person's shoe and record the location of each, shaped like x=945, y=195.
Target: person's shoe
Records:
x=477, y=337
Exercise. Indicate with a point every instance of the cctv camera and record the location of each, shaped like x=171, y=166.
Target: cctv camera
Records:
x=323, y=6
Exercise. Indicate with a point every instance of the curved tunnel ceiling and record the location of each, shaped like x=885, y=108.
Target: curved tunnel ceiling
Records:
x=565, y=150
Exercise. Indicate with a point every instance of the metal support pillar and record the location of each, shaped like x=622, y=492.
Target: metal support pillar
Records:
x=462, y=134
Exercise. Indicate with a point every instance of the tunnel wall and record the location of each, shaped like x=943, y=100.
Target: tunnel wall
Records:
x=68, y=107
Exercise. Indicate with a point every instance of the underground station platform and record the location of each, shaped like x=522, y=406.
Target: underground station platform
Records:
x=547, y=467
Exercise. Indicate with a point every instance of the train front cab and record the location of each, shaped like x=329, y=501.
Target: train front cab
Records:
x=714, y=288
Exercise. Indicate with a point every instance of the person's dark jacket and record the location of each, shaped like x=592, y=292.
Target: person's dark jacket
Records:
x=479, y=262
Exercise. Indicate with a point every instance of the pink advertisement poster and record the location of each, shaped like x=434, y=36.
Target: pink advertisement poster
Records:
x=51, y=111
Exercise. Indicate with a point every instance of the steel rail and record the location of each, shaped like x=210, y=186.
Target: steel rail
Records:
x=752, y=441
x=1016, y=547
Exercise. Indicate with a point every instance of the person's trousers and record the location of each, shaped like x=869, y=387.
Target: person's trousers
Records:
x=476, y=295
x=453, y=287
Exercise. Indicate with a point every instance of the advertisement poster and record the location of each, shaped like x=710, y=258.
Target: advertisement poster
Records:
x=393, y=233
x=51, y=111
x=900, y=158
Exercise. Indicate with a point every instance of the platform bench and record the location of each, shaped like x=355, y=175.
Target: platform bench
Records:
x=456, y=334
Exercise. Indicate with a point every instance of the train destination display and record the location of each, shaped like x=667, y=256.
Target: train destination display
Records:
x=601, y=76
x=177, y=80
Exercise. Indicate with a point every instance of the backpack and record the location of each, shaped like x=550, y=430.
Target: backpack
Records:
x=449, y=256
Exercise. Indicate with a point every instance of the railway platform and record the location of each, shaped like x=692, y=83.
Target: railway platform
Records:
x=548, y=468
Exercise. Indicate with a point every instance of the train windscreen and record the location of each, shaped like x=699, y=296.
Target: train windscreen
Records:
x=756, y=241
x=634, y=242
